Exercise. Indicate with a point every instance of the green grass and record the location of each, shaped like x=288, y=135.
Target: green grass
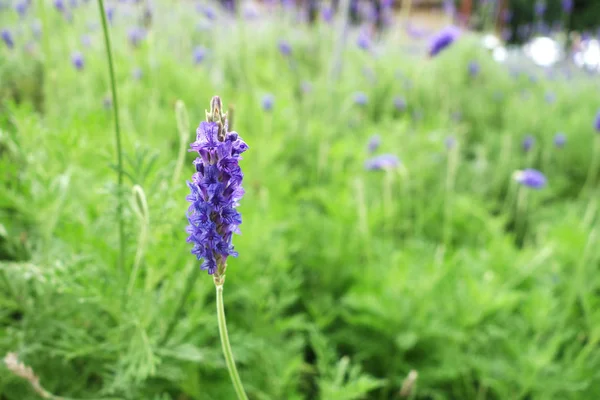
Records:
x=347, y=279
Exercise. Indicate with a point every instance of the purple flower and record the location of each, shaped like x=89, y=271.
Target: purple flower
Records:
x=21, y=8
x=539, y=8
x=7, y=38
x=507, y=15
x=560, y=139
x=361, y=98
x=399, y=103
x=77, y=60
x=363, y=41
x=209, y=13
x=199, y=54
x=59, y=5
x=450, y=142
x=567, y=6
x=597, y=122
x=550, y=98
x=284, y=48
x=443, y=39
x=327, y=14
x=215, y=192
x=528, y=143
x=268, y=101
x=110, y=13
x=374, y=143
x=507, y=34
x=136, y=35
x=531, y=178
x=382, y=162
x=474, y=68
x=449, y=7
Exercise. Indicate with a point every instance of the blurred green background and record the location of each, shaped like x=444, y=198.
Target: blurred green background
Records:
x=348, y=279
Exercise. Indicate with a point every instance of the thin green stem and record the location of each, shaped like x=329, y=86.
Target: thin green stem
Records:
x=233, y=373
x=115, y=102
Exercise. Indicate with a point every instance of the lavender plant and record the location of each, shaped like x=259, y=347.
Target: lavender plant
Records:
x=216, y=189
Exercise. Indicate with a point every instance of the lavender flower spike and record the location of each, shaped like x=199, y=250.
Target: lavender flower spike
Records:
x=531, y=178
x=216, y=189
x=383, y=162
x=443, y=39
x=597, y=122
x=7, y=38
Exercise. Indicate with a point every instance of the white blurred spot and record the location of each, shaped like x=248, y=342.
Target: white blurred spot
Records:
x=543, y=51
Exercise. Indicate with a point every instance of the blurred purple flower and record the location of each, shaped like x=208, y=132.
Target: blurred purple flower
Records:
x=531, y=178
x=507, y=15
x=306, y=87
x=597, y=122
x=327, y=14
x=416, y=32
x=449, y=8
x=363, y=40
x=360, y=98
x=208, y=12
x=528, y=143
x=7, y=38
x=474, y=68
x=443, y=39
x=284, y=47
x=539, y=8
x=59, y=5
x=399, y=103
x=450, y=142
x=77, y=60
x=567, y=6
x=268, y=101
x=199, y=54
x=86, y=41
x=507, y=34
x=110, y=14
x=550, y=98
x=136, y=35
x=373, y=144
x=21, y=8
x=560, y=139
x=382, y=162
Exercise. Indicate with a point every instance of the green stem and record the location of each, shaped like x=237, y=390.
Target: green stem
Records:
x=117, y=135
x=233, y=373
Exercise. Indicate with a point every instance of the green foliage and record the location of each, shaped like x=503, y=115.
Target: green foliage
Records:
x=347, y=279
